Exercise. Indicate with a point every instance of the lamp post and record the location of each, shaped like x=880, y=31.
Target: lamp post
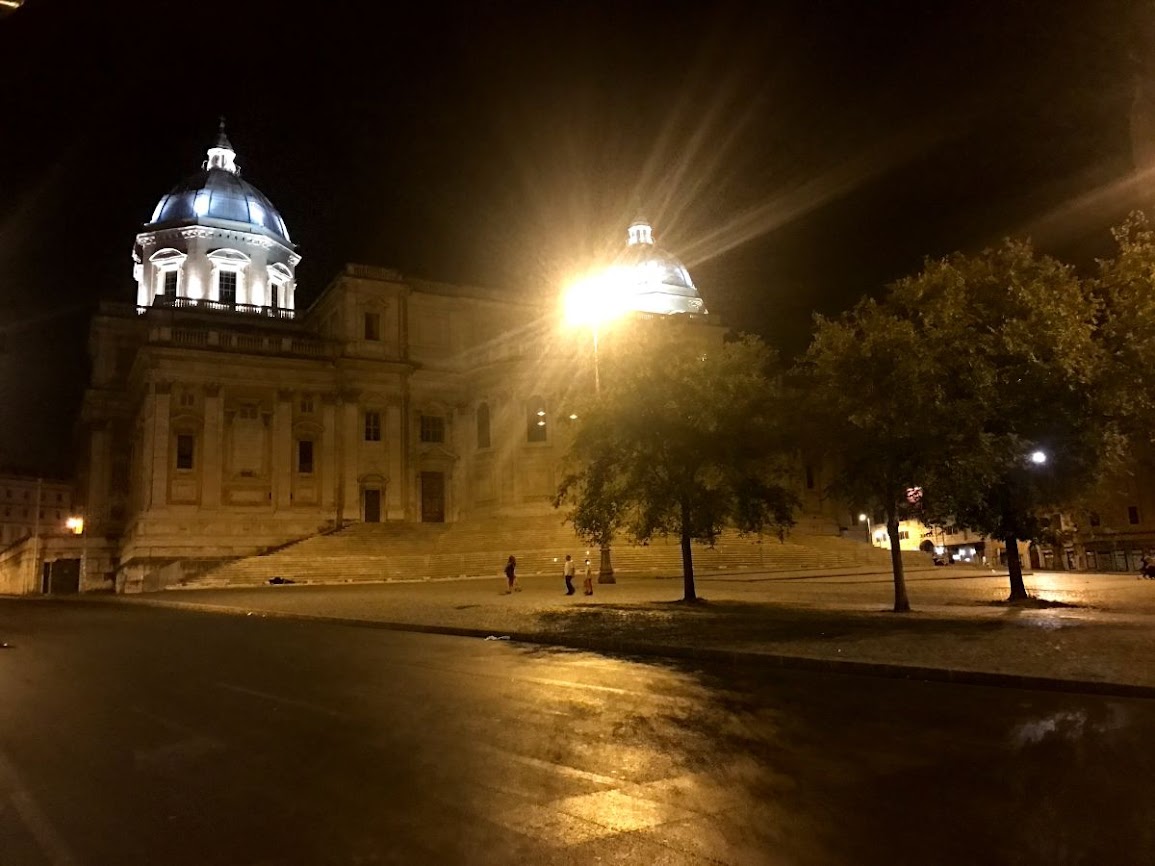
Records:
x=863, y=518
x=595, y=301
x=76, y=526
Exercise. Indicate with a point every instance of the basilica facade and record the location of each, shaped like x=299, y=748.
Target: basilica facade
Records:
x=222, y=420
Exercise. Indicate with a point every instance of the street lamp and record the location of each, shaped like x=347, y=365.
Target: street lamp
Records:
x=863, y=518
x=1038, y=457
x=594, y=301
x=75, y=525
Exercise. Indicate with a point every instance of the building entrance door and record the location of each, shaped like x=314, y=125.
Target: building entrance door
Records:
x=432, y=497
x=63, y=575
x=372, y=506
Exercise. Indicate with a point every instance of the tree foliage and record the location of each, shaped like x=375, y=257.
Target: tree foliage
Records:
x=684, y=439
x=978, y=361
x=1017, y=334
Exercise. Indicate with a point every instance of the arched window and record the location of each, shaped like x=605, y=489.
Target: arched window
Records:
x=228, y=277
x=483, y=425
x=535, y=420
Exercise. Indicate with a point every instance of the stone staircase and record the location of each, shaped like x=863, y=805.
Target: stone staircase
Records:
x=374, y=552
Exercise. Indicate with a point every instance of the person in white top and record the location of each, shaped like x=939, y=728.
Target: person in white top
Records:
x=568, y=571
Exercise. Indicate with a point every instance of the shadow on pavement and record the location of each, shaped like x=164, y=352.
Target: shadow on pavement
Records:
x=731, y=622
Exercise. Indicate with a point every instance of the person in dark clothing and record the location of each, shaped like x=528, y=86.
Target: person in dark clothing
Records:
x=511, y=575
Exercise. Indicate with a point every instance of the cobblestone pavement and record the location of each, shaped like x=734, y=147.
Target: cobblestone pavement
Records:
x=1083, y=629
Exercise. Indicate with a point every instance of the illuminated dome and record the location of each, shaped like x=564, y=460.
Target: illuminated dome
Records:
x=656, y=280
x=217, y=195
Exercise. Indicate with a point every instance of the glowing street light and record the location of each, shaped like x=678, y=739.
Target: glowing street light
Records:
x=595, y=300
x=1038, y=457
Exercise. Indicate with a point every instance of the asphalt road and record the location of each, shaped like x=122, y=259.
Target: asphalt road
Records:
x=145, y=736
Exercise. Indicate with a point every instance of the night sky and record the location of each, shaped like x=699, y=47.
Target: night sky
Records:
x=796, y=155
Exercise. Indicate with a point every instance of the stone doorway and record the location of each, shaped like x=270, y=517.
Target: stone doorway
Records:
x=432, y=497
x=372, y=506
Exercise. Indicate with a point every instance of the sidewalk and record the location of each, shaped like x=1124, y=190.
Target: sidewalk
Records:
x=1102, y=638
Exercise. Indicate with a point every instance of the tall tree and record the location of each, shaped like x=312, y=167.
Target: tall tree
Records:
x=684, y=439
x=875, y=407
x=1015, y=337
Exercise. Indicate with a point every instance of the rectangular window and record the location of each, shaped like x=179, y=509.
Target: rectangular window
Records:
x=275, y=296
x=372, y=326
x=184, y=451
x=168, y=287
x=535, y=421
x=306, y=405
x=1133, y=513
x=187, y=399
x=432, y=428
x=227, y=287
x=372, y=426
x=305, y=456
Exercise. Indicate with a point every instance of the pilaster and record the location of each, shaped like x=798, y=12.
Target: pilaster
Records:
x=282, y=444
x=330, y=490
x=213, y=449
x=161, y=401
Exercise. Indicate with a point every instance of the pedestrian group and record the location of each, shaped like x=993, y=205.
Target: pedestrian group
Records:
x=569, y=570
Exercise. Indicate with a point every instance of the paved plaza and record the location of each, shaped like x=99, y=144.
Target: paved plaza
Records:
x=1093, y=632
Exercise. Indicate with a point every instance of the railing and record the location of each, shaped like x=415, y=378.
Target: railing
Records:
x=372, y=272
x=227, y=341
x=221, y=306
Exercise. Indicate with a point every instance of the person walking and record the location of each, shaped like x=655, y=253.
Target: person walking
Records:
x=511, y=576
x=588, y=583
x=568, y=571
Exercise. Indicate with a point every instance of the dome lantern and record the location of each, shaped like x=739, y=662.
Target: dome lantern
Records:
x=223, y=156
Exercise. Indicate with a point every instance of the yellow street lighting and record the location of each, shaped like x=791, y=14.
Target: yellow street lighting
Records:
x=597, y=298
x=75, y=525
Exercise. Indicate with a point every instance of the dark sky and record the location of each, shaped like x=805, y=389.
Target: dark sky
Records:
x=795, y=155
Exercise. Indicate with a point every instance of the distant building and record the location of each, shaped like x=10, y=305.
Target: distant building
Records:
x=29, y=505
x=222, y=420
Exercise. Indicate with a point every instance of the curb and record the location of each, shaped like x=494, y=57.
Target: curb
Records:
x=849, y=667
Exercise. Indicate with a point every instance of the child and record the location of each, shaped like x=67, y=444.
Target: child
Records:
x=588, y=583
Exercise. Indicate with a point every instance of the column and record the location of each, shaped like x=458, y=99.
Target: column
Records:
x=395, y=461
x=213, y=451
x=330, y=446
x=349, y=432
x=283, y=454
x=99, y=465
x=162, y=395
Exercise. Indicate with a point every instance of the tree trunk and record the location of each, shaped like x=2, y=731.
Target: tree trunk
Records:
x=901, y=602
x=1015, y=568
x=687, y=556
x=606, y=566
